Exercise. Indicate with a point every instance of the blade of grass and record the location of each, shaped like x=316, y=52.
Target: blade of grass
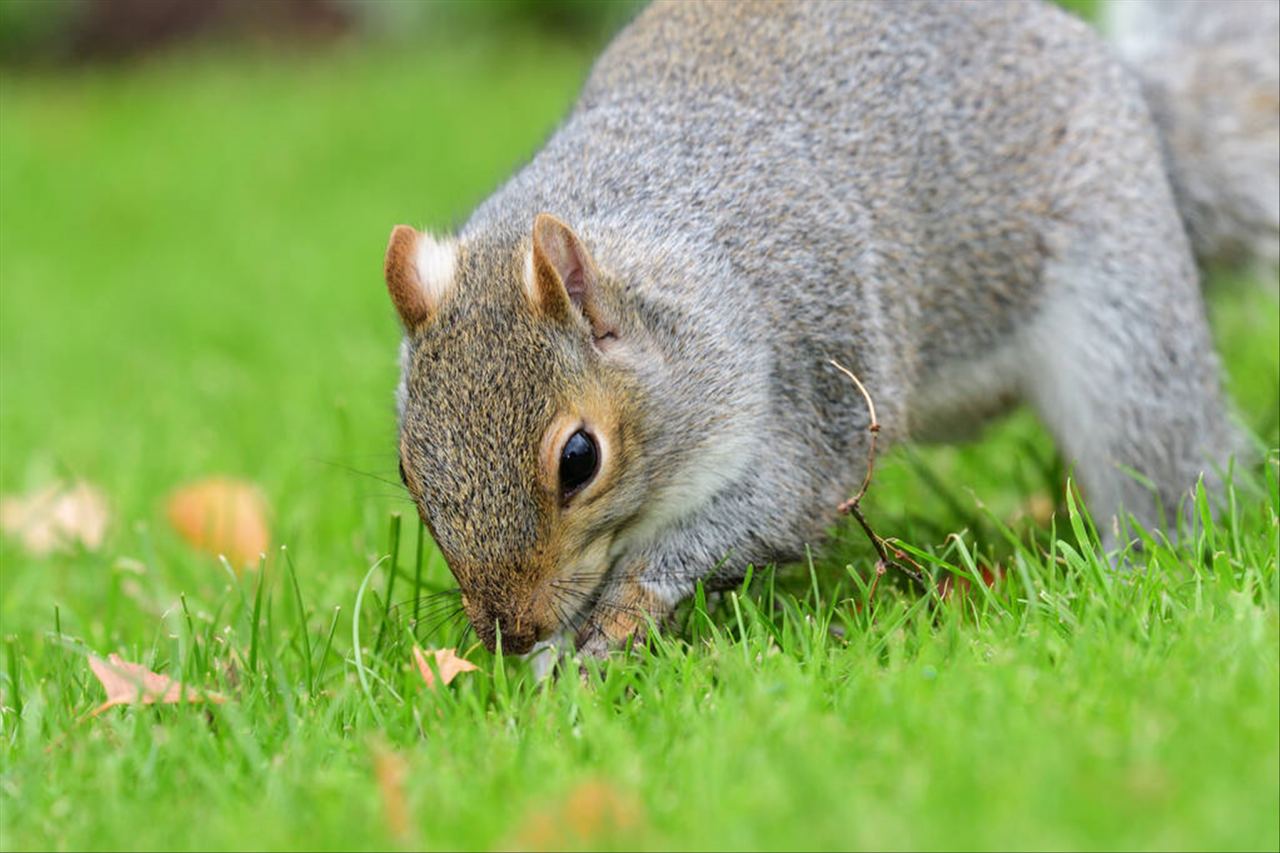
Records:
x=417, y=571
x=394, y=551
x=328, y=641
x=302, y=618
x=15, y=675
x=257, y=610
x=196, y=653
x=355, y=641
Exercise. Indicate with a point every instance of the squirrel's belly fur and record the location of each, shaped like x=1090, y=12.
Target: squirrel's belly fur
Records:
x=963, y=203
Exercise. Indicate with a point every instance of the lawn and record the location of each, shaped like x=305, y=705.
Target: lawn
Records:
x=190, y=285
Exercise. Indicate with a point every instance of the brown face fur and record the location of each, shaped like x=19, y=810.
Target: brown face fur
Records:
x=494, y=388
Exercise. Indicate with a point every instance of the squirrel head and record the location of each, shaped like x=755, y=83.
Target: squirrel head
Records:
x=519, y=426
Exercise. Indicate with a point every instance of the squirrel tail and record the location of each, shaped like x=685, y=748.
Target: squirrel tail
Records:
x=1211, y=73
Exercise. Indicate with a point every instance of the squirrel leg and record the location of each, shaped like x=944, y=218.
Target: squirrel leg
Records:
x=1122, y=371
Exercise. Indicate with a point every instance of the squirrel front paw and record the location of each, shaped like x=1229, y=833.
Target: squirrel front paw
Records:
x=619, y=618
x=595, y=641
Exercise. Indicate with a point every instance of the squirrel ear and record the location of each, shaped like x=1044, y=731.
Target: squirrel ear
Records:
x=562, y=275
x=419, y=272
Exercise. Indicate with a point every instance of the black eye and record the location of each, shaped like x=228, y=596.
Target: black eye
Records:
x=578, y=462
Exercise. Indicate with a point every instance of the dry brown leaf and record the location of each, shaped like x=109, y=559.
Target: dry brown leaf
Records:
x=56, y=517
x=223, y=516
x=447, y=661
x=593, y=812
x=1037, y=508
x=128, y=683
x=959, y=583
x=391, y=771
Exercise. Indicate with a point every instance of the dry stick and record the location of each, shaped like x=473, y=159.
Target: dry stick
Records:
x=851, y=506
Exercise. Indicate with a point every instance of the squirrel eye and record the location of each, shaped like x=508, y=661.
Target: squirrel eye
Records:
x=578, y=462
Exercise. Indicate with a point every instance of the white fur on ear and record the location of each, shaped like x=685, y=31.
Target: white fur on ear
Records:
x=435, y=266
x=530, y=285
x=419, y=270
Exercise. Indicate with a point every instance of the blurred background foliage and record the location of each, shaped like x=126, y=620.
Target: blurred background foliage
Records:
x=50, y=32
x=53, y=32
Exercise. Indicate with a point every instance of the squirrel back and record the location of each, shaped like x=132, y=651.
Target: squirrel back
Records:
x=617, y=376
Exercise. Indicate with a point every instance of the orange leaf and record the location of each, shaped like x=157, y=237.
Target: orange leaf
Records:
x=391, y=771
x=55, y=517
x=1038, y=508
x=594, y=814
x=447, y=661
x=952, y=583
x=222, y=516
x=129, y=683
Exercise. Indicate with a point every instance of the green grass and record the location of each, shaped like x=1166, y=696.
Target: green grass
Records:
x=190, y=284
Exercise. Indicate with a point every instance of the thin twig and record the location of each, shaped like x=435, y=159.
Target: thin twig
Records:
x=853, y=505
x=873, y=428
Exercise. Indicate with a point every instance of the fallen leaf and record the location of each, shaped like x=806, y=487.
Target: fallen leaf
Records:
x=222, y=516
x=952, y=582
x=447, y=661
x=390, y=770
x=56, y=517
x=1037, y=508
x=593, y=812
x=129, y=683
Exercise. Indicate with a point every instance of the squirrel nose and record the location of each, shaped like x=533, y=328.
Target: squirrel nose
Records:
x=518, y=635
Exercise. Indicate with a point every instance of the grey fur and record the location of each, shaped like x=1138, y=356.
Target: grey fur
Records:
x=1212, y=75
x=964, y=203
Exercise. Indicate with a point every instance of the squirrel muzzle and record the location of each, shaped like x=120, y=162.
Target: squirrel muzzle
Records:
x=518, y=628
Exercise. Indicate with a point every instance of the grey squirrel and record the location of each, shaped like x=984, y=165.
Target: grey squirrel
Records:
x=616, y=377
